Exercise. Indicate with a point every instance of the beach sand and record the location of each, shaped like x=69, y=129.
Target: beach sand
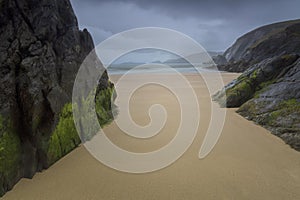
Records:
x=247, y=162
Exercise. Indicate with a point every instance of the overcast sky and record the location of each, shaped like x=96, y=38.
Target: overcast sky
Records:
x=215, y=24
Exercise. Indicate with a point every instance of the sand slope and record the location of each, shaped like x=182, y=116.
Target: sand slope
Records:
x=247, y=162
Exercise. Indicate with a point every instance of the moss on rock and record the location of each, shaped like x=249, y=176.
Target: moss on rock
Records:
x=262, y=87
x=239, y=93
x=281, y=118
x=10, y=155
x=104, y=106
x=256, y=80
x=64, y=138
x=283, y=110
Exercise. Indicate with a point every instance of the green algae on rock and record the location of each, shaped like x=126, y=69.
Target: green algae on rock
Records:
x=65, y=137
x=10, y=155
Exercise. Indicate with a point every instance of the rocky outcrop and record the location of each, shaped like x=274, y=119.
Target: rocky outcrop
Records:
x=219, y=60
x=41, y=50
x=268, y=93
x=276, y=105
x=262, y=43
x=255, y=79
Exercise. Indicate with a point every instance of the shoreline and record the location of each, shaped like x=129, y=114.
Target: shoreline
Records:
x=248, y=162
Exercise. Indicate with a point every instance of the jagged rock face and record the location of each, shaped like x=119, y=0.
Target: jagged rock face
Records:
x=269, y=94
x=41, y=50
x=264, y=42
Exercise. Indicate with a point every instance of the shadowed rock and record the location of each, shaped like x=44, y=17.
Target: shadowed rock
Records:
x=41, y=50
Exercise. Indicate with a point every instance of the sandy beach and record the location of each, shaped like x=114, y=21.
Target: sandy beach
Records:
x=247, y=162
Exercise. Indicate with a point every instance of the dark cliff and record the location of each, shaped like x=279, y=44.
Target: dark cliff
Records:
x=41, y=50
x=262, y=43
x=268, y=91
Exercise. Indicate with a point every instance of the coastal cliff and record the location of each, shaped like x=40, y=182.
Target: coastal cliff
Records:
x=268, y=91
x=41, y=50
x=262, y=43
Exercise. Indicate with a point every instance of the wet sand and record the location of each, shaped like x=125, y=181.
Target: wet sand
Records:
x=246, y=163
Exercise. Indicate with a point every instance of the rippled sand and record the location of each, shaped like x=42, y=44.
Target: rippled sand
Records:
x=246, y=163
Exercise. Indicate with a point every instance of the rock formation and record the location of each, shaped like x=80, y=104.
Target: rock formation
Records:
x=268, y=92
x=41, y=50
x=262, y=43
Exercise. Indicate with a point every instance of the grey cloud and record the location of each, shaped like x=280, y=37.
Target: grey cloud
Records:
x=215, y=23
